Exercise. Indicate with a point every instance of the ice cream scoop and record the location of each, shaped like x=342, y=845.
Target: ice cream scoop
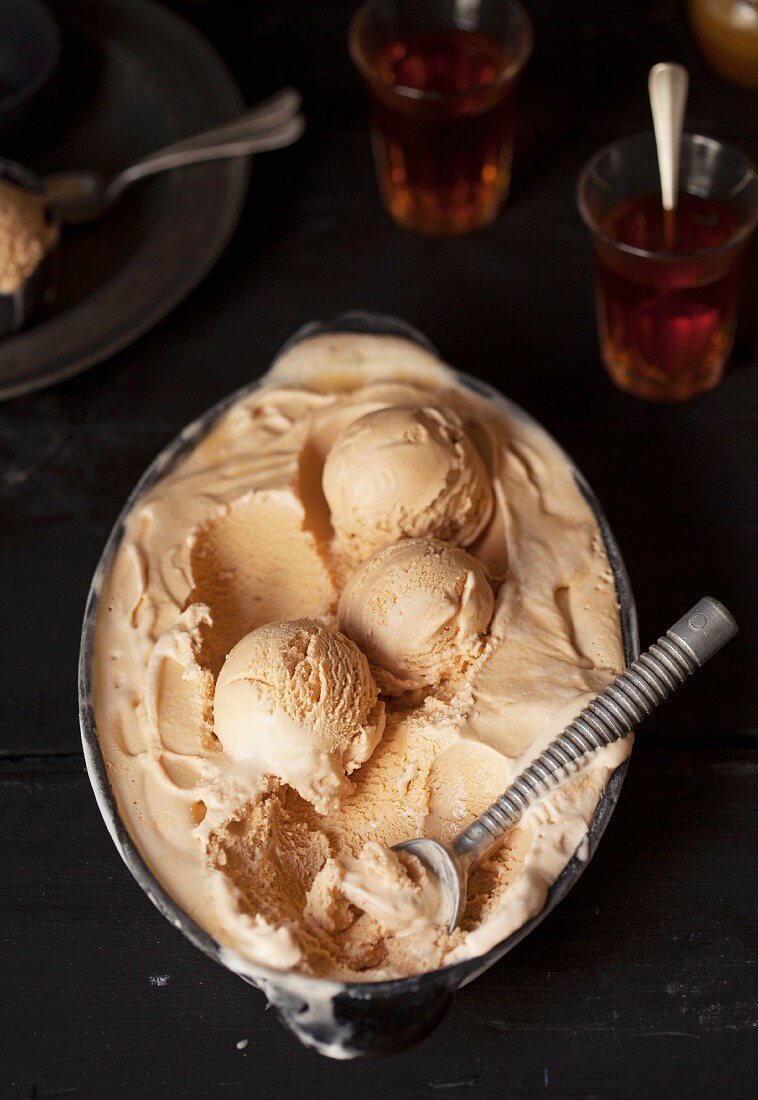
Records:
x=612, y=714
x=419, y=610
x=405, y=472
x=297, y=700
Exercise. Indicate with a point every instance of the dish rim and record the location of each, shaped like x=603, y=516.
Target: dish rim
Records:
x=76, y=339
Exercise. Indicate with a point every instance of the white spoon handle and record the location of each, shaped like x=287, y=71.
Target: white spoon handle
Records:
x=667, y=85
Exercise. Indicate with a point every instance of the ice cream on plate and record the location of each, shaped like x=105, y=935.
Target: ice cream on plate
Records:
x=26, y=235
x=348, y=617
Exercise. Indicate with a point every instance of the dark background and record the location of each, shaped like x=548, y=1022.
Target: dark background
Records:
x=640, y=984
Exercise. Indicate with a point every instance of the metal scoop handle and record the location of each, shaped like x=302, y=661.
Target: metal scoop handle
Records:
x=632, y=696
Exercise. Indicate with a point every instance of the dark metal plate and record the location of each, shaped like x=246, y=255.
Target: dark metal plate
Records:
x=134, y=77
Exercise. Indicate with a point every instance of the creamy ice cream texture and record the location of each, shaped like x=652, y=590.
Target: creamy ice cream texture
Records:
x=403, y=471
x=394, y=889
x=419, y=609
x=283, y=690
x=297, y=701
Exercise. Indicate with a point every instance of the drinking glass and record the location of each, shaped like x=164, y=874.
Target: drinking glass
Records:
x=442, y=76
x=667, y=286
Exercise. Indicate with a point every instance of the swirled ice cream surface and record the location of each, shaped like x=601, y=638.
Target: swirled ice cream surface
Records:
x=267, y=825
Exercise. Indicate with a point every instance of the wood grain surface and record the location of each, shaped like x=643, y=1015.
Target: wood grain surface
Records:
x=642, y=982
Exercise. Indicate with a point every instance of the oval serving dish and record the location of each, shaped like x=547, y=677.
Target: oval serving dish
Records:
x=339, y=1019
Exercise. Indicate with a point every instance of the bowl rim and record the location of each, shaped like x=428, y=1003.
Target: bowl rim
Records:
x=453, y=975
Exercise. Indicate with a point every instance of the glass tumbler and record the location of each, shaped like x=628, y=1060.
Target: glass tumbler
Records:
x=441, y=76
x=667, y=285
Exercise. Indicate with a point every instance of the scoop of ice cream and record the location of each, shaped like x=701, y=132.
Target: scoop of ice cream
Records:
x=418, y=610
x=25, y=235
x=405, y=472
x=298, y=701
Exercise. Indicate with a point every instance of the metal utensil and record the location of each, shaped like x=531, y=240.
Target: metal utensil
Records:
x=80, y=196
x=667, y=87
x=612, y=714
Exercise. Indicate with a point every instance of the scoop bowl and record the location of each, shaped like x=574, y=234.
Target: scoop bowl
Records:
x=447, y=871
x=612, y=714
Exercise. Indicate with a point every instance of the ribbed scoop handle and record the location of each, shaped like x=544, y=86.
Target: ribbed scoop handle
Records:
x=632, y=696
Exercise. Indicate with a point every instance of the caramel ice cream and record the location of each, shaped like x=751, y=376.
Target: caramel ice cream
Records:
x=297, y=701
x=25, y=235
x=419, y=610
x=394, y=889
x=405, y=471
x=297, y=664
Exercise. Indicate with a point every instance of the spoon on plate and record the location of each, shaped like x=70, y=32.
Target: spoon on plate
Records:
x=612, y=714
x=79, y=196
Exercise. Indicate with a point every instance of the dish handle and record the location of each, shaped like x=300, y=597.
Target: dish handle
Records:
x=346, y=1022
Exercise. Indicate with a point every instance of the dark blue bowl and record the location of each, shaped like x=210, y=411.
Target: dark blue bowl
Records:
x=30, y=48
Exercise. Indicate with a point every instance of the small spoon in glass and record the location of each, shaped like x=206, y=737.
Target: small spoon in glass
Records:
x=667, y=86
x=612, y=714
x=79, y=196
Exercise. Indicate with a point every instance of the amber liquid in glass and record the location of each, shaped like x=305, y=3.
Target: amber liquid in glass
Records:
x=443, y=128
x=667, y=325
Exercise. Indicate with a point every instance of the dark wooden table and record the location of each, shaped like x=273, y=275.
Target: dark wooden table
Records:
x=641, y=983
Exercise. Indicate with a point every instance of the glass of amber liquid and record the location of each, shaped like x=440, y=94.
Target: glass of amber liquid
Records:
x=442, y=76
x=668, y=284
